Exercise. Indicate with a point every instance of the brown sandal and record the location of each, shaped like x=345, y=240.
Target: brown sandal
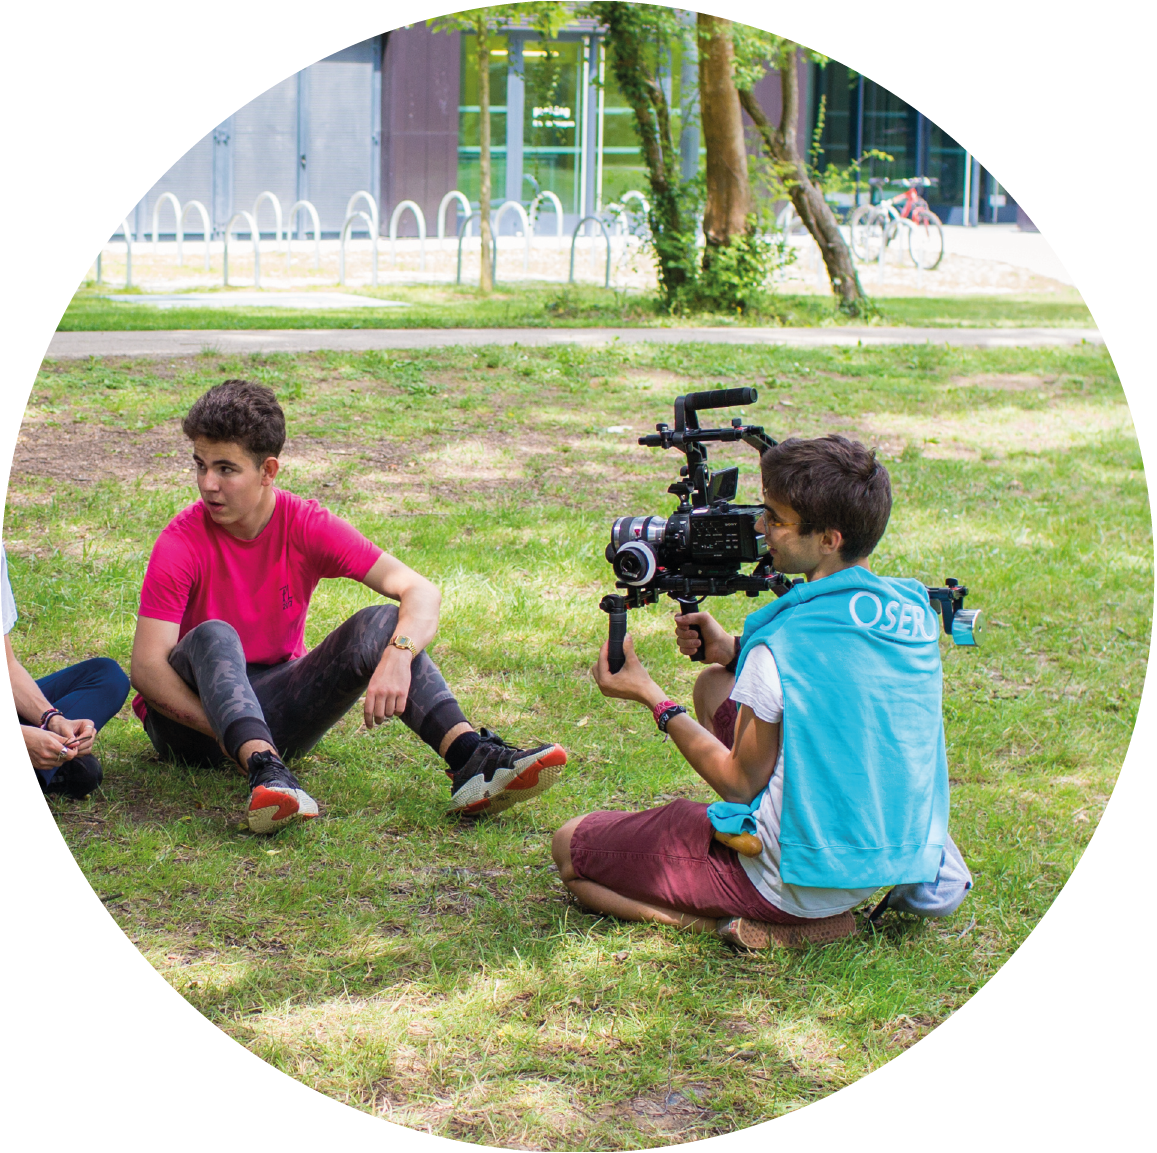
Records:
x=744, y=933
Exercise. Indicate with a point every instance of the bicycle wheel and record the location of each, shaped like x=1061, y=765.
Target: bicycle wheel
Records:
x=926, y=241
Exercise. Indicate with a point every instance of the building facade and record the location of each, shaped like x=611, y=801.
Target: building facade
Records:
x=398, y=116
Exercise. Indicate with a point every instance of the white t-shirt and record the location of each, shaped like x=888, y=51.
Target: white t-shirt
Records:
x=758, y=686
x=7, y=600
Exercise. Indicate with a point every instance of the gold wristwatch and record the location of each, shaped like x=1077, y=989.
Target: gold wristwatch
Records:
x=405, y=643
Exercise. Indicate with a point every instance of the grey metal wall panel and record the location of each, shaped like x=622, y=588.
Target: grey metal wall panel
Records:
x=265, y=151
x=341, y=151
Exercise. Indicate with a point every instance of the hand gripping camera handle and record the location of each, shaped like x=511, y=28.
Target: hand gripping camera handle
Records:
x=615, y=636
x=616, y=609
x=686, y=607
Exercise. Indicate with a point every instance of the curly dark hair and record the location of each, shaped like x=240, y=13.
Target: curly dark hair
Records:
x=242, y=412
x=832, y=482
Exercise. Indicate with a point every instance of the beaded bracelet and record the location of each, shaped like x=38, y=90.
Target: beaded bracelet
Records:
x=48, y=715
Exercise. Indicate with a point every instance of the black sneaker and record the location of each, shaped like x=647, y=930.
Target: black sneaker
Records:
x=276, y=797
x=76, y=778
x=498, y=775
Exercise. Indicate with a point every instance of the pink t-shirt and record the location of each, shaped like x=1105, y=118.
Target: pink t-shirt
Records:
x=198, y=572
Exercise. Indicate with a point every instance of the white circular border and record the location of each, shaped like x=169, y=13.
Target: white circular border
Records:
x=101, y=98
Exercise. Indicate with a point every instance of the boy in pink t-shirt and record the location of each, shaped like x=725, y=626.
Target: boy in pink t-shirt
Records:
x=219, y=657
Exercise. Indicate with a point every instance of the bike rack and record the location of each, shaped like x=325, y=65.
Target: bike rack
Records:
x=520, y=212
x=128, y=256
x=373, y=207
x=395, y=216
x=290, y=228
x=606, y=237
x=635, y=194
x=555, y=203
x=261, y=197
x=454, y=194
x=374, y=221
x=345, y=231
x=254, y=236
x=206, y=230
x=463, y=232
x=157, y=218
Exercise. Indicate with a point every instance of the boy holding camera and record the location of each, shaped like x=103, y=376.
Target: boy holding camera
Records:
x=820, y=729
x=219, y=657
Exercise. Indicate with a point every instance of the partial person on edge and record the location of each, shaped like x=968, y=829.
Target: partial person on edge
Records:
x=219, y=657
x=820, y=728
x=60, y=714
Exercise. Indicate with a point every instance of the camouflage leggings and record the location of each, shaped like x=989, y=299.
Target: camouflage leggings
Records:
x=292, y=705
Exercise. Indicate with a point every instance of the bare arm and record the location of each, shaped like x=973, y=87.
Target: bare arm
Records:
x=157, y=681
x=737, y=774
x=31, y=703
x=419, y=603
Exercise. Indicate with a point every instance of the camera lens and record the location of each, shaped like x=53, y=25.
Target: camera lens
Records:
x=645, y=528
x=634, y=563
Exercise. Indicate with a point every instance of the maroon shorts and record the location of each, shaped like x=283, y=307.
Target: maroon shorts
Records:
x=724, y=722
x=669, y=857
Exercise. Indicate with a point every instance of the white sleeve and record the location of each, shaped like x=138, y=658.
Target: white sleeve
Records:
x=758, y=686
x=7, y=600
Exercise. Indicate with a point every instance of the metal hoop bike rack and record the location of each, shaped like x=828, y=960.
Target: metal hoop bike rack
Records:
x=290, y=228
x=128, y=256
x=463, y=232
x=375, y=216
x=157, y=218
x=453, y=194
x=520, y=212
x=271, y=197
x=635, y=194
x=206, y=230
x=395, y=216
x=574, y=240
x=555, y=203
x=345, y=232
x=254, y=236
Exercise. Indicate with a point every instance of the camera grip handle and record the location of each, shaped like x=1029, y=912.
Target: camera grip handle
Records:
x=616, y=634
x=686, y=607
x=719, y=398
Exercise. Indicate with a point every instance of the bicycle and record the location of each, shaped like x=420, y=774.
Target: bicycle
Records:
x=872, y=226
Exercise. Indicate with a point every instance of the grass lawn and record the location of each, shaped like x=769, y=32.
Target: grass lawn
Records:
x=437, y=973
x=577, y=306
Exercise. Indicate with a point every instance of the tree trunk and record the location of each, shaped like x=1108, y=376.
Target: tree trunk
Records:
x=728, y=188
x=672, y=237
x=482, y=38
x=783, y=148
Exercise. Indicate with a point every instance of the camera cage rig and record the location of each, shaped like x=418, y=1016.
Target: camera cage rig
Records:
x=703, y=493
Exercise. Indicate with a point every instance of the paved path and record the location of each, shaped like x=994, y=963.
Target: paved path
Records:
x=184, y=343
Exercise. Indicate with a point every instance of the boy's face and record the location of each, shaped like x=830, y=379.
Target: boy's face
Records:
x=230, y=482
x=790, y=552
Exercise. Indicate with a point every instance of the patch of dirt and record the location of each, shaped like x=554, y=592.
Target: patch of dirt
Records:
x=905, y=1031
x=1004, y=382
x=655, y=377
x=675, y=1112
x=999, y=430
x=84, y=452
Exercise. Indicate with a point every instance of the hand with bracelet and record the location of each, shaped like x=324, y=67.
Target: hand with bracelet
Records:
x=737, y=774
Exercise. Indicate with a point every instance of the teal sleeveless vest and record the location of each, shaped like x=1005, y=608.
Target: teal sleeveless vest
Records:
x=865, y=785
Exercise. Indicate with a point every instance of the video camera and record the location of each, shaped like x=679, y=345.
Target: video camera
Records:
x=699, y=549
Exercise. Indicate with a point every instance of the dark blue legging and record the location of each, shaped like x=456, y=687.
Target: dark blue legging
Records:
x=93, y=690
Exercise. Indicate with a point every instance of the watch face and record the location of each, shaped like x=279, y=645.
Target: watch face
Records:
x=403, y=642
